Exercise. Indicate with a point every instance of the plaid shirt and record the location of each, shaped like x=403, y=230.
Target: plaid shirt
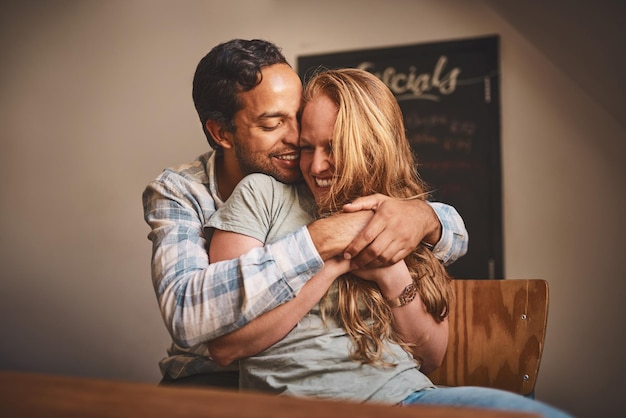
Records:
x=200, y=301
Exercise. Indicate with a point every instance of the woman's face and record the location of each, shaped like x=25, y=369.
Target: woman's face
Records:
x=316, y=160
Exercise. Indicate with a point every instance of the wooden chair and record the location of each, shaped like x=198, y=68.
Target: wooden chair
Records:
x=497, y=332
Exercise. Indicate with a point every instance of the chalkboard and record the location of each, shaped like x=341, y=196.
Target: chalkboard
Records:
x=449, y=95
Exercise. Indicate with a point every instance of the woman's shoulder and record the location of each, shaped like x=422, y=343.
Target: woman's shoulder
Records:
x=262, y=180
x=258, y=183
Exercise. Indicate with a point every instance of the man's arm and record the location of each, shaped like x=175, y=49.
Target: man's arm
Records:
x=201, y=301
x=399, y=226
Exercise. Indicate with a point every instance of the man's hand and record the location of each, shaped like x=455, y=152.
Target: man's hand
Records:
x=397, y=228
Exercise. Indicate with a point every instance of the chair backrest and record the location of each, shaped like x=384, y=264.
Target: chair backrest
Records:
x=497, y=333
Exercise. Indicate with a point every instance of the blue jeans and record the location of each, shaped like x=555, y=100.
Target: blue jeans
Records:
x=481, y=398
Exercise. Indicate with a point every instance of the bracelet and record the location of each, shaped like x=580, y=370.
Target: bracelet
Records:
x=408, y=294
x=428, y=245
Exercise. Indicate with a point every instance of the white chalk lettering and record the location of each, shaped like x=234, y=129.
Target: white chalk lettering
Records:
x=417, y=85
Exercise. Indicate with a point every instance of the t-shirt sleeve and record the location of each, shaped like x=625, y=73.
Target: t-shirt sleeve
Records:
x=250, y=208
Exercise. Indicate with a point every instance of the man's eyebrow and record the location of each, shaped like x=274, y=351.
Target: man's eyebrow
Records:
x=270, y=115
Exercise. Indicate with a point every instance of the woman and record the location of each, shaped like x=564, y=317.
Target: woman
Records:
x=370, y=338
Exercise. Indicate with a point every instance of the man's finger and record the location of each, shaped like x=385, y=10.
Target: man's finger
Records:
x=390, y=255
x=370, y=202
x=371, y=231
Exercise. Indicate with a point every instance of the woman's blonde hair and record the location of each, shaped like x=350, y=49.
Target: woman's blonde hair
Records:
x=372, y=155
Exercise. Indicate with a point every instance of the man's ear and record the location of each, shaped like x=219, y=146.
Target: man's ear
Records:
x=219, y=134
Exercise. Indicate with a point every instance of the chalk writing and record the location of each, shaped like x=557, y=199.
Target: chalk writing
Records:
x=448, y=134
x=416, y=85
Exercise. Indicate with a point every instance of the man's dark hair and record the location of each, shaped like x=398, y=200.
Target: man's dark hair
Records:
x=230, y=68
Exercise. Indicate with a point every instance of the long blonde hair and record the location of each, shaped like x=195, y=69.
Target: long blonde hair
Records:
x=372, y=155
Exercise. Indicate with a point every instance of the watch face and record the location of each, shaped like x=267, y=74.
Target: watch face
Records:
x=408, y=294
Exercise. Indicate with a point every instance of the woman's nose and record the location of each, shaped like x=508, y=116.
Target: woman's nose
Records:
x=321, y=162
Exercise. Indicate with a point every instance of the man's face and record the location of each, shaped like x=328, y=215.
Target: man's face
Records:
x=316, y=160
x=266, y=135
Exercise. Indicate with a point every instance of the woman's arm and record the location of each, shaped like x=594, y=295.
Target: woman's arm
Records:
x=415, y=325
x=272, y=326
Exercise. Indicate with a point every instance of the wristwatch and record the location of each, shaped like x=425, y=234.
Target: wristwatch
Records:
x=408, y=294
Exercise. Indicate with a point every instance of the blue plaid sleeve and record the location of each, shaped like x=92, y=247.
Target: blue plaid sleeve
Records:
x=454, y=237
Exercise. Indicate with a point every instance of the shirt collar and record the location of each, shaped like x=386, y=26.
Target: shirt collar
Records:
x=210, y=169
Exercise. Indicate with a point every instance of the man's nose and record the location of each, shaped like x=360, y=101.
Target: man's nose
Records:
x=292, y=135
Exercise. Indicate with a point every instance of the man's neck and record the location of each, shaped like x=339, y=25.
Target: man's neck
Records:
x=227, y=172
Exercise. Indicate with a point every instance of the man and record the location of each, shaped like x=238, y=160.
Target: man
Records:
x=248, y=97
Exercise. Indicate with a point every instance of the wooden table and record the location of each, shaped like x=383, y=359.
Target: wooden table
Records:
x=38, y=395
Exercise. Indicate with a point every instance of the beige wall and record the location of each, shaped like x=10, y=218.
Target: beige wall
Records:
x=95, y=101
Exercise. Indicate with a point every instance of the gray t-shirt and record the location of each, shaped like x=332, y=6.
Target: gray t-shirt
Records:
x=313, y=360
x=263, y=208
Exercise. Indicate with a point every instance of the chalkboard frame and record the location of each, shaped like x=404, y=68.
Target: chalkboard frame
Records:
x=449, y=93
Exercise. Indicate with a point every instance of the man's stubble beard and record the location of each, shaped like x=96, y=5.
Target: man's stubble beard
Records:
x=257, y=163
